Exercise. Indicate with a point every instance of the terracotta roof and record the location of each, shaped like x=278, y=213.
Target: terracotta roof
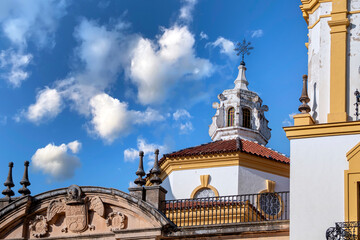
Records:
x=226, y=146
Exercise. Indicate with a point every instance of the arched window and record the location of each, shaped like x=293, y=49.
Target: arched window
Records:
x=204, y=192
x=246, y=117
x=231, y=117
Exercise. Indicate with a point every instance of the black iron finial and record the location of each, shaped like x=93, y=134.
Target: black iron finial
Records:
x=155, y=171
x=357, y=95
x=140, y=172
x=243, y=48
x=25, y=181
x=9, y=183
x=304, y=98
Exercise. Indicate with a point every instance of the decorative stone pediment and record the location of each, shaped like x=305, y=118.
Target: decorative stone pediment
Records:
x=75, y=211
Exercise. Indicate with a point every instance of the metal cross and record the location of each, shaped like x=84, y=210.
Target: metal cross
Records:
x=243, y=48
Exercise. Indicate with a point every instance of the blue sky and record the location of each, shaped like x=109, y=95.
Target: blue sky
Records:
x=86, y=84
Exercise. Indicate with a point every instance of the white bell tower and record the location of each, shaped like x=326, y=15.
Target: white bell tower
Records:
x=240, y=113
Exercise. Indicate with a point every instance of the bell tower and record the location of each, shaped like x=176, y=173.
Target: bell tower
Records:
x=240, y=112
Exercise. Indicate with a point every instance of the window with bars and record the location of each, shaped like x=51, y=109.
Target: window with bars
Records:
x=246, y=118
x=231, y=117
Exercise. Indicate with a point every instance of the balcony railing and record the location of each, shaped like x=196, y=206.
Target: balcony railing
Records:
x=343, y=231
x=228, y=209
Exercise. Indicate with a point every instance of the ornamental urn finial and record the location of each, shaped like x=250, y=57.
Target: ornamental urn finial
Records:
x=155, y=171
x=25, y=181
x=140, y=172
x=304, y=99
x=9, y=183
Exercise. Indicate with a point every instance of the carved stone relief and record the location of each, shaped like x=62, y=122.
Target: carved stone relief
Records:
x=76, y=209
x=39, y=226
x=116, y=221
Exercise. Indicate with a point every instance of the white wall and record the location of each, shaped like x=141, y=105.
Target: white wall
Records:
x=319, y=64
x=317, y=184
x=183, y=182
x=233, y=180
x=254, y=181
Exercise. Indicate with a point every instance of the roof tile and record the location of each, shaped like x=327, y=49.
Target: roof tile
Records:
x=225, y=146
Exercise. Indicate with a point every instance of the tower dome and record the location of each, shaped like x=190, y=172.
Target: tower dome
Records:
x=240, y=113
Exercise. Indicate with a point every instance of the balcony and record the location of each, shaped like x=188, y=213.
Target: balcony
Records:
x=249, y=208
x=343, y=231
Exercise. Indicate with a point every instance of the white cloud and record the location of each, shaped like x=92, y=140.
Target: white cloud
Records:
x=186, y=10
x=186, y=127
x=74, y=146
x=257, y=33
x=21, y=22
x=56, y=161
x=131, y=154
x=47, y=106
x=103, y=52
x=181, y=114
x=203, y=35
x=149, y=116
x=155, y=67
x=226, y=46
x=109, y=117
x=14, y=63
x=34, y=20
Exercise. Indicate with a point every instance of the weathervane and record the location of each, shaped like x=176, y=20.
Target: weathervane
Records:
x=243, y=48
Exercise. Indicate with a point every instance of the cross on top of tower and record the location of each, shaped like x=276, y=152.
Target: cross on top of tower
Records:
x=243, y=48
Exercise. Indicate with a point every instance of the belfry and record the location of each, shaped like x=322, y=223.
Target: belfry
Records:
x=240, y=113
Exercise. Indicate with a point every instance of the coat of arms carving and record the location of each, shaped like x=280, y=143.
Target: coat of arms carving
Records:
x=76, y=210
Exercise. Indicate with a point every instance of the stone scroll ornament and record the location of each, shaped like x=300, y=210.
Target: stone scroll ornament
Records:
x=76, y=210
x=39, y=226
x=116, y=221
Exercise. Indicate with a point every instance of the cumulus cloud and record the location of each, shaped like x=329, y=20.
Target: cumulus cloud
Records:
x=186, y=10
x=47, y=106
x=58, y=162
x=132, y=154
x=156, y=66
x=13, y=64
x=257, y=33
x=203, y=35
x=74, y=146
x=106, y=51
x=111, y=118
x=21, y=22
x=226, y=46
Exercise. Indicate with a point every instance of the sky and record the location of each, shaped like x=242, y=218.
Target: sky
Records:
x=85, y=85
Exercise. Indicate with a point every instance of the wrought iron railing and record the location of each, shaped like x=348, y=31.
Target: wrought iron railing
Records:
x=228, y=209
x=344, y=231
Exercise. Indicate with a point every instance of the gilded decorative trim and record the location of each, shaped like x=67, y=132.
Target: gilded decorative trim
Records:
x=322, y=130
